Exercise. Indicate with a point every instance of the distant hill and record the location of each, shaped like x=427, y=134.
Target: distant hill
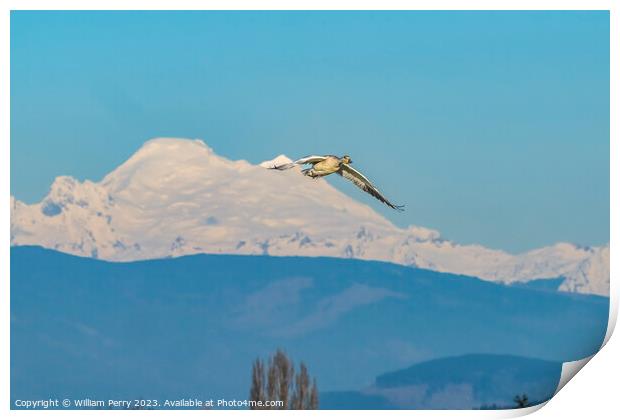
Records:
x=177, y=197
x=461, y=382
x=190, y=327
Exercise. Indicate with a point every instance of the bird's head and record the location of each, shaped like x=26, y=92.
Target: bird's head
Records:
x=347, y=159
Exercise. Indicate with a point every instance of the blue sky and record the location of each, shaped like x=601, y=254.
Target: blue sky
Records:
x=492, y=127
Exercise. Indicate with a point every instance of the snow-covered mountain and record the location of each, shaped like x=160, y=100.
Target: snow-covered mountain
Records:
x=176, y=197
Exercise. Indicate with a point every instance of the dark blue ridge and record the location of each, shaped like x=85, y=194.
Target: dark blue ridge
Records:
x=190, y=327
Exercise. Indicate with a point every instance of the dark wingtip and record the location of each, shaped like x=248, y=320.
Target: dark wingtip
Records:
x=399, y=208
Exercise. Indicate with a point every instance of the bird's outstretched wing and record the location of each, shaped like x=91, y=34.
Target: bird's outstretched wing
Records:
x=364, y=184
x=302, y=161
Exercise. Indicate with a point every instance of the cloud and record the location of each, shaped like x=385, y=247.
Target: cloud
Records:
x=276, y=309
x=93, y=333
x=265, y=307
x=330, y=308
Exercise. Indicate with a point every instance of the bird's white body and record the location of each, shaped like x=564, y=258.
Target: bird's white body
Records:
x=323, y=165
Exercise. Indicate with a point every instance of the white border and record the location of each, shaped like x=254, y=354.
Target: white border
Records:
x=311, y=5
x=597, y=382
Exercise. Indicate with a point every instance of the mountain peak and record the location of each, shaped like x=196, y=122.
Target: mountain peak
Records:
x=62, y=189
x=177, y=197
x=64, y=181
x=278, y=160
x=174, y=143
x=165, y=158
x=170, y=148
x=422, y=233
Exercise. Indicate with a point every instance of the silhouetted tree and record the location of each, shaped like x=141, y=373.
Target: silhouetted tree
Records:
x=281, y=384
x=281, y=373
x=257, y=389
x=521, y=401
x=301, y=394
x=314, y=396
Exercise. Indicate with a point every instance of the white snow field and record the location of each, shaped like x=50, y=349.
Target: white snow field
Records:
x=176, y=197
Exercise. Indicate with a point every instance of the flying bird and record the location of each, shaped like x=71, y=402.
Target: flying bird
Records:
x=329, y=164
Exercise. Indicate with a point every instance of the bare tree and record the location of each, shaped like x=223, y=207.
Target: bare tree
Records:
x=257, y=390
x=272, y=381
x=314, y=396
x=301, y=394
x=521, y=401
x=282, y=384
x=281, y=372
